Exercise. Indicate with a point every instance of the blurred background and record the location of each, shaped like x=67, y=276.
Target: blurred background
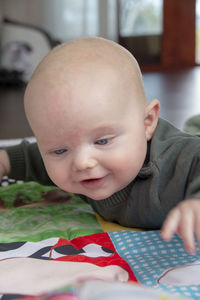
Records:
x=163, y=35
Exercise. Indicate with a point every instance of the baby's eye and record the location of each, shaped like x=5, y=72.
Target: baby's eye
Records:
x=60, y=151
x=102, y=142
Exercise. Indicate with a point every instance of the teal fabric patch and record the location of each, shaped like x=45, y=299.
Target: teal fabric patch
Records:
x=160, y=264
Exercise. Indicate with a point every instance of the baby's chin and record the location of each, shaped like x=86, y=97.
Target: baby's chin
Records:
x=98, y=196
x=103, y=193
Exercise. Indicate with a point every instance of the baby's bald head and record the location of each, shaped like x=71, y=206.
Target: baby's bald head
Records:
x=78, y=52
x=72, y=65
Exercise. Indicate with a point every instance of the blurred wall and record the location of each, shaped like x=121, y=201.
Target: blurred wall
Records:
x=1, y=13
x=26, y=11
x=48, y=14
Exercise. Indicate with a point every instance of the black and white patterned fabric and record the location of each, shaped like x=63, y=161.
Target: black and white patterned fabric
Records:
x=7, y=181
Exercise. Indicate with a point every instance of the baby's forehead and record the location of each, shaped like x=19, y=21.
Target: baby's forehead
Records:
x=86, y=53
x=86, y=61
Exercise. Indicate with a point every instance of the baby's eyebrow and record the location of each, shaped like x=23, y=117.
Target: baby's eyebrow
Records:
x=106, y=129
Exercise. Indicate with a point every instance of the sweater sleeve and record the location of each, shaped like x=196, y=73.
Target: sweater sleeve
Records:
x=193, y=184
x=26, y=163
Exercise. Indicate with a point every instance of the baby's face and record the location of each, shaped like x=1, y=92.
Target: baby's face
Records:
x=90, y=132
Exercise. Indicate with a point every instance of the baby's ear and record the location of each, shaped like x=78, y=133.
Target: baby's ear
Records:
x=152, y=110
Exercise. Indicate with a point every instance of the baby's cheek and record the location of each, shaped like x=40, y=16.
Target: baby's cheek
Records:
x=131, y=165
x=55, y=173
x=61, y=177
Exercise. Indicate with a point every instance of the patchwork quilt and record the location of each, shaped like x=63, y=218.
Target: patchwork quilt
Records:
x=53, y=246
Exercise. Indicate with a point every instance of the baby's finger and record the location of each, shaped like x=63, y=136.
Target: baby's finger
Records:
x=171, y=224
x=197, y=228
x=186, y=231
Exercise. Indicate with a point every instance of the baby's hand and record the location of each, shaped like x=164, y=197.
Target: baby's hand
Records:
x=4, y=164
x=184, y=220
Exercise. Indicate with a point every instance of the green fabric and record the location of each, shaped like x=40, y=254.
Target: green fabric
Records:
x=29, y=192
x=72, y=219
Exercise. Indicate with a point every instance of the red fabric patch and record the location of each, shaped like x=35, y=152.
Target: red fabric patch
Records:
x=101, y=239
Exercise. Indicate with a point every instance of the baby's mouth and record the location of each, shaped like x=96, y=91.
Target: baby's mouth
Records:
x=93, y=183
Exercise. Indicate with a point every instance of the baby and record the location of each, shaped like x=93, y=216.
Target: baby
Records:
x=97, y=137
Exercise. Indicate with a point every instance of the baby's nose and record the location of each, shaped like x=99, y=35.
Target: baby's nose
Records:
x=84, y=161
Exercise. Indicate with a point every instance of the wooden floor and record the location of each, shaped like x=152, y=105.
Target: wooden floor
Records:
x=178, y=92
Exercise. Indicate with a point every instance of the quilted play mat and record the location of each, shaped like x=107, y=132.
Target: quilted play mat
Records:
x=53, y=246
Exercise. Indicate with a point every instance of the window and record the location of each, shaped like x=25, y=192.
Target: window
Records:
x=140, y=17
x=81, y=17
x=69, y=19
x=140, y=29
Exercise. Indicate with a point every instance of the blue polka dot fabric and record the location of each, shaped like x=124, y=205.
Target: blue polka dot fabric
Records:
x=159, y=264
